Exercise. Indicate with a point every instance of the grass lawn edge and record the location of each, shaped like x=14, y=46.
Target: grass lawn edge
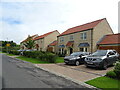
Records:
x=108, y=82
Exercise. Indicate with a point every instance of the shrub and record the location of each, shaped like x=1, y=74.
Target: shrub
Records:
x=4, y=50
x=117, y=69
x=14, y=52
x=111, y=74
x=44, y=56
x=51, y=58
x=41, y=56
x=28, y=53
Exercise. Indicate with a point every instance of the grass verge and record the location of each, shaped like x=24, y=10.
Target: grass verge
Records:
x=59, y=60
x=105, y=83
x=10, y=54
x=37, y=61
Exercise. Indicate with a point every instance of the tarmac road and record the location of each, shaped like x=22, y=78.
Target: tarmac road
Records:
x=19, y=74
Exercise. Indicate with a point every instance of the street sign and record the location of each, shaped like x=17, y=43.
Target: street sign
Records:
x=7, y=44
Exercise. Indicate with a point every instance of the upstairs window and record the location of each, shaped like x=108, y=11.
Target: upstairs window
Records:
x=71, y=37
x=61, y=39
x=84, y=36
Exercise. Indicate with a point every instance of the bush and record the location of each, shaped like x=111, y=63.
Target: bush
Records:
x=111, y=74
x=44, y=56
x=28, y=53
x=117, y=69
x=4, y=50
x=51, y=58
x=14, y=52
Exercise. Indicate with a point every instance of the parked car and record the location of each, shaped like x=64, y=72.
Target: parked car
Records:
x=76, y=58
x=102, y=58
x=21, y=50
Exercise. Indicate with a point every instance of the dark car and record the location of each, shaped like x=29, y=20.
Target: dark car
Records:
x=102, y=59
x=76, y=58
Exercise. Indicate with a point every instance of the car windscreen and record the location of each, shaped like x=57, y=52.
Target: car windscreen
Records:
x=100, y=53
x=76, y=54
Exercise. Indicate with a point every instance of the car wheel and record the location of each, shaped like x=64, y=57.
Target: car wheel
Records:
x=104, y=66
x=77, y=63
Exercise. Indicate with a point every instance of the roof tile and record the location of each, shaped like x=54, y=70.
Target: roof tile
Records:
x=111, y=39
x=53, y=43
x=82, y=27
x=44, y=35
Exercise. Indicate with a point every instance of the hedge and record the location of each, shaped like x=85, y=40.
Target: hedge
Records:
x=44, y=56
x=111, y=74
x=117, y=69
x=14, y=52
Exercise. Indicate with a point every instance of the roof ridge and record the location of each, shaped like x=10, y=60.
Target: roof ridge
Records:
x=43, y=35
x=82, y=27
x=89, y=22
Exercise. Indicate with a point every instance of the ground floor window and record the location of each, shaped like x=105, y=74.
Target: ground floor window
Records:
x=83, y=49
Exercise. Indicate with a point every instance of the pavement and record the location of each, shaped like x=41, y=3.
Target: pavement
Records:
x=21, y=74
x=78, y=74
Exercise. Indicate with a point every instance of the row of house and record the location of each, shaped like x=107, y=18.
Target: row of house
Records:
x=87, y=37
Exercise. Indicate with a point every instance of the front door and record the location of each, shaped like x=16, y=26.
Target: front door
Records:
x=71, y=50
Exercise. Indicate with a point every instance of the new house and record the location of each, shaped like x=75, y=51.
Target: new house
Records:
x=52, y=47
x=22, y=46
x=111, y=41
x=83, y=37
x=42, y=41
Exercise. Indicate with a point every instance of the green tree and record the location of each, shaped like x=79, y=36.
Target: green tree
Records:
x=29, y=43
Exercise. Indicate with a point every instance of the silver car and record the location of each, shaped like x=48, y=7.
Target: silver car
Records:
x=102, y=58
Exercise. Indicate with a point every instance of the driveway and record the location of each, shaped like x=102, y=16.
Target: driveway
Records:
x=79, y=74
x=83, y=68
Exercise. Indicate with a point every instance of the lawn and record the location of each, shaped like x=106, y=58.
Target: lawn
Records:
x=59, y=60
x=104, y=82
x=37, y=61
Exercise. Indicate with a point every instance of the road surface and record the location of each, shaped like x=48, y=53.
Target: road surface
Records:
x=20, y=74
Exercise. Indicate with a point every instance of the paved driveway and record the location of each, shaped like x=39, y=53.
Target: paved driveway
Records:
x=83, y=68
x=75, y=73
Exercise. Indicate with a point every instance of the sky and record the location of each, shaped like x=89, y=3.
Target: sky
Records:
x=20, y=18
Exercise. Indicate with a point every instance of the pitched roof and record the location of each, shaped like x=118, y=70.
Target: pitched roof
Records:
x=27, y=38
x=111, y=39
x=82, y=27
x=44, y=35
x=53, y=43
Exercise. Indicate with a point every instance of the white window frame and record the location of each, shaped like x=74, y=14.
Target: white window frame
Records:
x=84, y=49
x=84, y=36
x=61, y=39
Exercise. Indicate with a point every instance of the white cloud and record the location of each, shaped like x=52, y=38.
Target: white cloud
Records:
x=42, y=16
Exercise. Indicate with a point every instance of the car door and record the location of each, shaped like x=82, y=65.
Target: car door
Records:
x=111, y=58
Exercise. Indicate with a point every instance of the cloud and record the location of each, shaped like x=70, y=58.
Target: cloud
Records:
x=11, y=21
x=31, y=17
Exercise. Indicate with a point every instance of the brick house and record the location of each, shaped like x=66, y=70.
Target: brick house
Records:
x=44, y=40
x=22, y=46
x=111, y=41
x=83, y=37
